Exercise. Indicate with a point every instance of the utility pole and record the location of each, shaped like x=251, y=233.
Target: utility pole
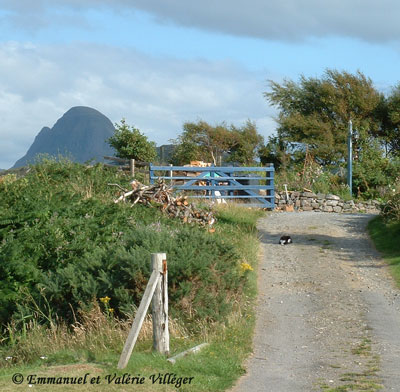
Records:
x=350, y=157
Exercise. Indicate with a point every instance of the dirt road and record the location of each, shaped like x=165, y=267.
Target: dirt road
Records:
x=328, y=315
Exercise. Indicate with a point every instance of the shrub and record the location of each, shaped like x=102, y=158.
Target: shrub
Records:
x=64, y=241
x=390, y=210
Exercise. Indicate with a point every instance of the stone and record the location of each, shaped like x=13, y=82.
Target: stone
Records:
x=337, y=209
x=321, y=196
x=305, y=203
x=308, y=194
x=332, y=203
x=332, y=197
x=307, y=208
x=315, y=205
x=327, y=209
x=297, y=203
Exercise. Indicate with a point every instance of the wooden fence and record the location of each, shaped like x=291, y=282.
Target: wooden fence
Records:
x=131, y=165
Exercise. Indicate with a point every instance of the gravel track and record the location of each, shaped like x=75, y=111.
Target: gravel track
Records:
x=328, y=315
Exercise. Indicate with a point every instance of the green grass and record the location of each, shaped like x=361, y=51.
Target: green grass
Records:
x=212, y=282
x=386, y=237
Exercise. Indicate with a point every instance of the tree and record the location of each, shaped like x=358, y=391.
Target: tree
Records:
x=201, y=141
x=130, y=143
x=204, y=142
x=315, y=112
x=391, y=121
x=275, y=152
x=246, y=145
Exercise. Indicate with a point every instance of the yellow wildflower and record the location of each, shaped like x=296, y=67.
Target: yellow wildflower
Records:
x=246, y=267
x=105, y=300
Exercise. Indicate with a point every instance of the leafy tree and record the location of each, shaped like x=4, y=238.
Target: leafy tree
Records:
x=391, y=121
x=130, y=143
x=275, y=152
x=246, y=144
x=201, y=141
x=315, y=112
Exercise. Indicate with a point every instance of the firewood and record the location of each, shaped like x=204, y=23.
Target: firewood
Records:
x=161, y=195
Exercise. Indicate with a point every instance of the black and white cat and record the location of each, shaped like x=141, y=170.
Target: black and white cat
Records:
x=285, y=239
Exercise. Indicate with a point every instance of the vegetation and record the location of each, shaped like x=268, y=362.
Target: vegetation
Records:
x=129, y=142
x=385, y=232
x=313, y=125
x=316, y=112
x=76, y=264
x=202, y=141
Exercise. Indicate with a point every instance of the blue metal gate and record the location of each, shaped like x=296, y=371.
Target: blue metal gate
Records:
x=252, y=185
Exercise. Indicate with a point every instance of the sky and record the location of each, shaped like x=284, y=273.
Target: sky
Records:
x=160, y=63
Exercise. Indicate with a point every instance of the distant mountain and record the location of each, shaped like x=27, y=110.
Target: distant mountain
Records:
x=80, y=134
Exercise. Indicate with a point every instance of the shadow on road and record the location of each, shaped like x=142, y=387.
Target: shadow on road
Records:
x=320, y=229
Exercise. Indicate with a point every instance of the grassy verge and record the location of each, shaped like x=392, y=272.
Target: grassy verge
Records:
x=59, y=227
x=386, y=237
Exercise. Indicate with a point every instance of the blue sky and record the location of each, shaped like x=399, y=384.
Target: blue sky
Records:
x=159, y=64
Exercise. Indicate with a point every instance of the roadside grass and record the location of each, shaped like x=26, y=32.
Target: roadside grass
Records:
x=386, y=237
x=93, y=342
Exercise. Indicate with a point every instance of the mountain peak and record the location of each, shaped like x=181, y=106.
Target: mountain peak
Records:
x=80, y=134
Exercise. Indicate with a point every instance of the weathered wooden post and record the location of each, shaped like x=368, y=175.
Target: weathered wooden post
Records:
x=160, y=305
x=158, y=279
x=132, y=167
x=170, y=174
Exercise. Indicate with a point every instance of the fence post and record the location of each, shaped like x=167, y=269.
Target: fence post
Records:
x=270, y=181
x=212, y=175
x=132, y=167
x=140, y=315
x=170, y=174
x=151, y=173
x=160, y=305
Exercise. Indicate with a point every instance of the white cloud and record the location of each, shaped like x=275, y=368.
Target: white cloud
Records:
x=370, y=20
x=40, y=83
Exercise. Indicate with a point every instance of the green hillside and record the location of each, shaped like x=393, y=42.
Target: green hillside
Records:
x=69, y=254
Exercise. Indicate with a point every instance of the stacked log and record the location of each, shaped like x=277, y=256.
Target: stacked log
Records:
x=160, y=195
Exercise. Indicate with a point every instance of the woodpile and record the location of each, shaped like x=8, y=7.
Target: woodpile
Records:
x=161, y=195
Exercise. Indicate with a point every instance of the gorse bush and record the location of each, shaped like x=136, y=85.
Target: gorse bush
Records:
x=64, y=243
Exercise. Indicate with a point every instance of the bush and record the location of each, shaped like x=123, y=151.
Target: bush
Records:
x=313, y=177
x=64, y=241
x=390, y=210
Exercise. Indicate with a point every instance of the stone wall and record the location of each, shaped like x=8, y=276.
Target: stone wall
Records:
x=308, y=201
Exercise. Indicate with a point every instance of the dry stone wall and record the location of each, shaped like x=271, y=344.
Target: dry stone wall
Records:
x=309, y=201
